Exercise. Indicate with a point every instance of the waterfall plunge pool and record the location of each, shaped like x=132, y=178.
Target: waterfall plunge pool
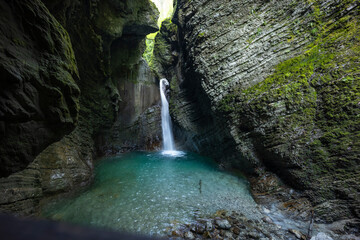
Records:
x=148, y=193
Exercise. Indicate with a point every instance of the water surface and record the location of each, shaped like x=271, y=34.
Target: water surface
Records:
x=149, y=192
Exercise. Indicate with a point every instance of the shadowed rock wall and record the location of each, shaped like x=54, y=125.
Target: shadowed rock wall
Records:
x=96, y=29
x=39, y=97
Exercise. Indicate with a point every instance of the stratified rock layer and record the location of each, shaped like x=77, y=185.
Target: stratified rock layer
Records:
x=275, y=84
x=138, y=126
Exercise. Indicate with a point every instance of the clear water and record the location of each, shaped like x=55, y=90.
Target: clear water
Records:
x=149, y=192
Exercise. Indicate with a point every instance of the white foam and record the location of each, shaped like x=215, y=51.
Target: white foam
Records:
x=173, y=153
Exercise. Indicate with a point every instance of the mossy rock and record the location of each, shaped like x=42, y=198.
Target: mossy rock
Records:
x=305, y=118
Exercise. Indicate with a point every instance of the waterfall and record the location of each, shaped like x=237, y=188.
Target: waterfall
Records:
x=168, y=139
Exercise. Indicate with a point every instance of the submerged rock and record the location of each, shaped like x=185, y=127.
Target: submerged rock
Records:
x=236, y=231
x=177, y=233
x=209, y=226
x=223, y=224
x=321, y=236
x=189, y=235
x=228, y=235
x=267, y=219
x=198, y=228
x=297, y=234
x=242, y=227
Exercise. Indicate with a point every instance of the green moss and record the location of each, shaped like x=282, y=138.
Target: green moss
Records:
x=157, y=44
x=162, y=57
x=201, y=35
x=150, y=43
x=312, y=100
x=227, y=103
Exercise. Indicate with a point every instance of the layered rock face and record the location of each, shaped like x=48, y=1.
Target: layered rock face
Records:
x=195, y=125
x=97, y=29
x=275, y=84
x=138, y=126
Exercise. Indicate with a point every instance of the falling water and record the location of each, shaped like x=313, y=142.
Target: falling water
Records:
x=168, y=138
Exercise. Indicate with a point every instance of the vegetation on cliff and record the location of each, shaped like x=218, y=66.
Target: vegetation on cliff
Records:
x=166, y=11
x=311, y=104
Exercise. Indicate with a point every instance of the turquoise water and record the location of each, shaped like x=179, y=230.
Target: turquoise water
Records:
x=150, y=192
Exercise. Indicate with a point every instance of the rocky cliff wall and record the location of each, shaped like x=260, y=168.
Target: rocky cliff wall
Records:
x=138, y=126
x=39, y=96
x=97, y=30
x=275, y=84
x=196, y=127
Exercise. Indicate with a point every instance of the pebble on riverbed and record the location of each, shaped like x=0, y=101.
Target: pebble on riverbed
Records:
x=297, y=234
x=321, y=236
x=189, y=235
x=230, y=226
x=223, y=224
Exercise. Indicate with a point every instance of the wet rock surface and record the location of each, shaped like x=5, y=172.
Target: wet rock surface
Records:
x=292, y=210
x=143, y=133
x=259, y=84
x=229, y=226
x=239, y=226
